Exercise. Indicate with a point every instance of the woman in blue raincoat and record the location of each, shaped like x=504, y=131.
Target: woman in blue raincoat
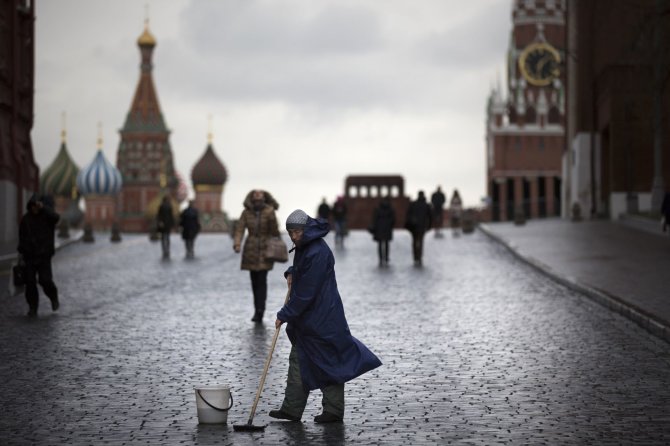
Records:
x=324, y=355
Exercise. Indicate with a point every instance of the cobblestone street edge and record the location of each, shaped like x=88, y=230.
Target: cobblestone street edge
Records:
x=607, y=300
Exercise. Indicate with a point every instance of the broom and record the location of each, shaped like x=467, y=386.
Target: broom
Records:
x=250, y=427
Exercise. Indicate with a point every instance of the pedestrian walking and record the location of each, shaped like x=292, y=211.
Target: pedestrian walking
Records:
x=437, y=199
x=339, y=212
x=36, y=247
x=665, y=211
x=324, y=210
x=383, y=221
x=164, y=224
x=455, y=211
x=260, y=221
x=324, y=355
x=418, y=221
x=189, y=221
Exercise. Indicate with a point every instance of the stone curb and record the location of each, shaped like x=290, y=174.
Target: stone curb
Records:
x=614, y=303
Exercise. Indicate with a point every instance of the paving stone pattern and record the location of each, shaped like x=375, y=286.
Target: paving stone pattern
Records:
x=478, y=348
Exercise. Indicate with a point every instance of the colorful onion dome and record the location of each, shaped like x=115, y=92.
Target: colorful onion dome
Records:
x=100, y=177
x=182, y=188
x=60, y=178
x=209, y=170
x=146, y=39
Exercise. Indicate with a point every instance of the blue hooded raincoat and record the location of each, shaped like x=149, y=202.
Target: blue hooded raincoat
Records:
x=317, y=326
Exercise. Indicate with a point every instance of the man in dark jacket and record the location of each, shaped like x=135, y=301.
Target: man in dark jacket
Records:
x=324, y=210
x=418, y=221
x=190, y=226
x=36, y=245
x=324, y=355
x=665, y=211
x=339, y=212
x=437, y=200
x=164, y=224
x=383, y=221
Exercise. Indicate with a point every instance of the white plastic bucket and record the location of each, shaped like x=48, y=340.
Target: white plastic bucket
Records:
x=213, y=403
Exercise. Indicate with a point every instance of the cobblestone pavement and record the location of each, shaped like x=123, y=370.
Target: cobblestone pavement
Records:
x=478, y=348
x=600, y=255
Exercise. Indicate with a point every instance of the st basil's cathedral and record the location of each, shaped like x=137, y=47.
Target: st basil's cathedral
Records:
x=130, y=193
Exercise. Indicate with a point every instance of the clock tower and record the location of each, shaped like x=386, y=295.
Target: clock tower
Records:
x=525, y=132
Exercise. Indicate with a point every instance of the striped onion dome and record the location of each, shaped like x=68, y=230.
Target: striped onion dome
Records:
x=60, y=178
x=209, y=170
x=99, y=178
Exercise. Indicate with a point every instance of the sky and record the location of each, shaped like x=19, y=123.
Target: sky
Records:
x=301, y=93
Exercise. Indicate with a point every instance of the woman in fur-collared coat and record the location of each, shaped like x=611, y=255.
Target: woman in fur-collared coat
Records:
x=260, y=221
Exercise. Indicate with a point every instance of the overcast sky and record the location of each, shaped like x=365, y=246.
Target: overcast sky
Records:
x=302, y=92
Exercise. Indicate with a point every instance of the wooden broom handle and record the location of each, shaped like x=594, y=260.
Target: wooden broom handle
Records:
x=267, y=365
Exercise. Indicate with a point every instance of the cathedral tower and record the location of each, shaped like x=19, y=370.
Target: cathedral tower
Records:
x=144, y=156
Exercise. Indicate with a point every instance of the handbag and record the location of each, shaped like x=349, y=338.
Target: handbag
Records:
x=19, y=273
x=276, y=250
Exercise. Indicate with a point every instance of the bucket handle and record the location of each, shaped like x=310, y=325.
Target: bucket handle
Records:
x=214, y=407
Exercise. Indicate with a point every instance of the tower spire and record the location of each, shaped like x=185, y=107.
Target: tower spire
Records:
x=210, y=136
x=63, y=131
x=99, y=135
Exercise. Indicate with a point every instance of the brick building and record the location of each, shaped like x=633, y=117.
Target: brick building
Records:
x=19, y=174
x=618, y=128
x=525, y=133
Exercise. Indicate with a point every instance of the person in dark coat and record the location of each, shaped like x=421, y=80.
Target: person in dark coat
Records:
x=665, y=211
x=324, y=210
x=418, y=221
x=383, y=221
x=260, y=221
x=324, y=355
x=339, y=211
x=36, y=246
x=455, y=210
x=190, y=227
x=164, y=224
x=437, y=200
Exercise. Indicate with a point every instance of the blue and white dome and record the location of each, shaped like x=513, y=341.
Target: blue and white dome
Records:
x=99, y=178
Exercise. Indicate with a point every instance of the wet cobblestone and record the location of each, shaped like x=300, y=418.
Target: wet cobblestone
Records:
x=477, y=347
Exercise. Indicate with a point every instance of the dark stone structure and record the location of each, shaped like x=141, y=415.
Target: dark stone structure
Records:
x=362, y=193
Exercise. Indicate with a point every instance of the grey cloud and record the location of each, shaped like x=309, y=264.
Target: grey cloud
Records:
x=257, y=27
x=471, y=44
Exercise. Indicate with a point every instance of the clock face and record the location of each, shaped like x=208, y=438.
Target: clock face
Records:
x=540, y=64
